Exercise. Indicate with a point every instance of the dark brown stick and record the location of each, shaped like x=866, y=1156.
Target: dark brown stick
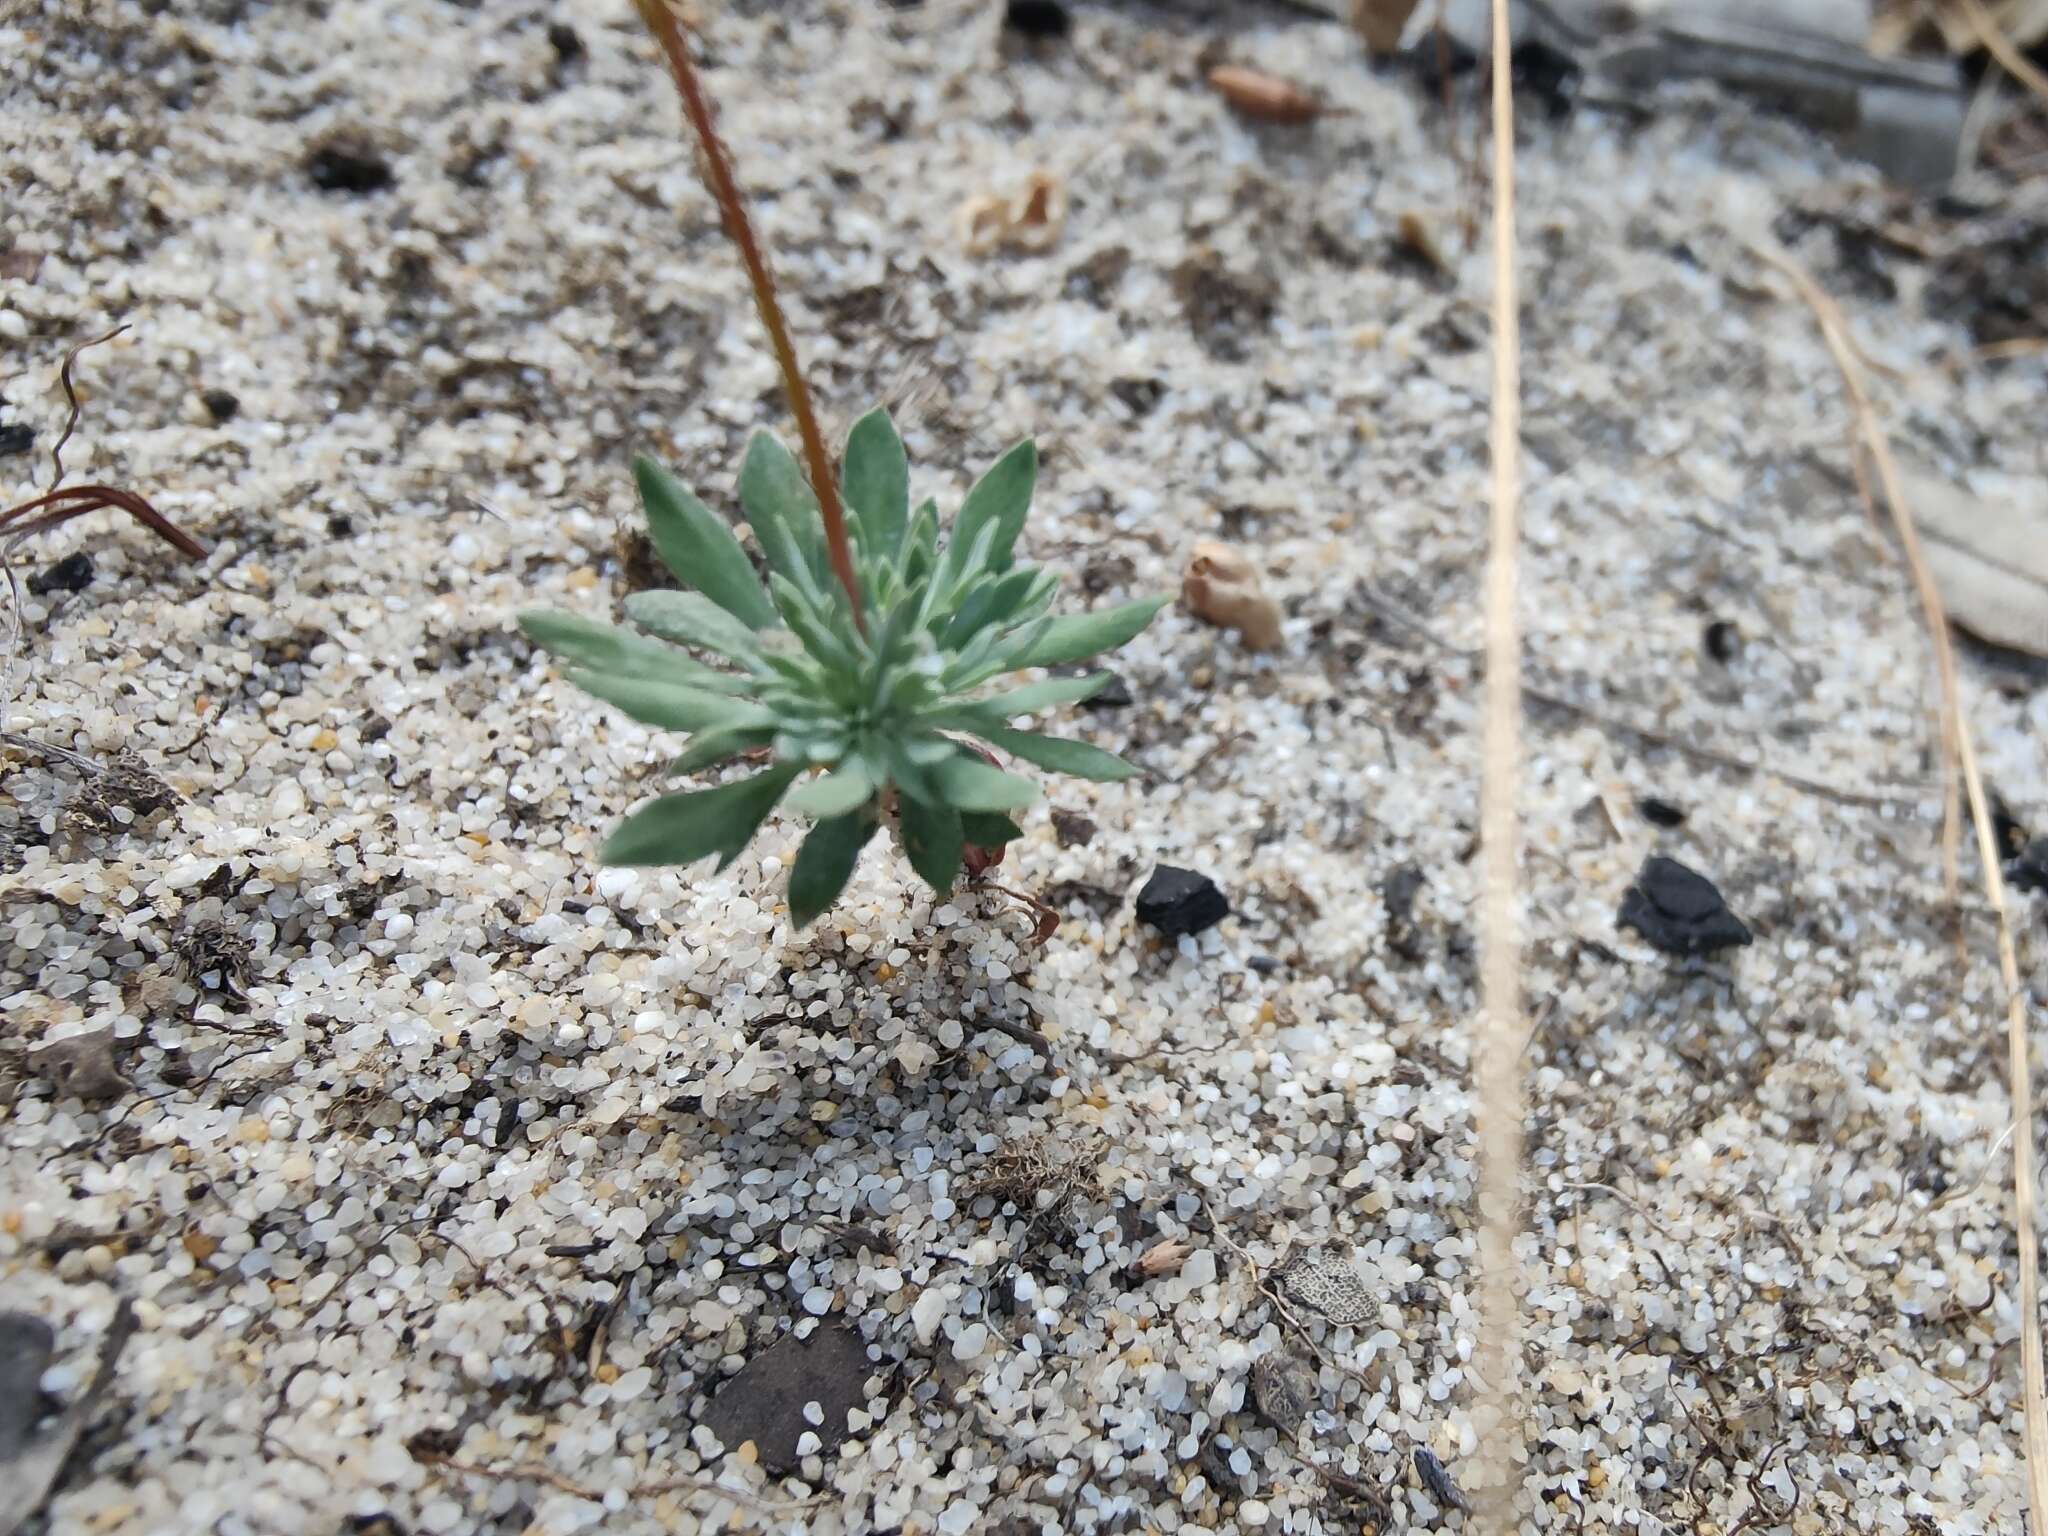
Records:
x=661, y=21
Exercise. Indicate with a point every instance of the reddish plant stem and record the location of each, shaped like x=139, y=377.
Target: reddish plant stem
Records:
x=668, y=32
x=71, y=394
x=77, y=500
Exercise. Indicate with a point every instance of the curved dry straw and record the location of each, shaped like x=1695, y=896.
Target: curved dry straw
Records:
x=1958, y=750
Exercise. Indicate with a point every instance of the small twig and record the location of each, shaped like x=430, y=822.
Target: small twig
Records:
x=1279, y=1302
x=70, y=394
x=1045, y=919
x=1664, y=741
x=1497, y=1073
x=1467, y=165
x=1023, y=1034
x=1948, y=1196
x=1759, y=1506
x=1661, y=740
x=533, y=1472
x=1226, y=744
x=51, y=749
x=2014, y=346
x=2021, y=68
x=732, y=209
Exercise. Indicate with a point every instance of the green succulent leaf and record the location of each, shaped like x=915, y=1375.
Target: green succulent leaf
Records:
x=838, y=793
x=878, y=482
x=993, y=652
x=783, y=511
x=1076, y=637
x=969, y=784
x=708, y=749
x=601, y=648
x=1001, y=708
x=672, y=706
x=964, y=561
x=994, y=601
x=932, y=841
x=983, y=829
x=691, y=618
x=695, y=543
x=1061, y=755
x=824, y=864
x=680, y=829
x=812, y=621
x=921, y=544
x=996, y=504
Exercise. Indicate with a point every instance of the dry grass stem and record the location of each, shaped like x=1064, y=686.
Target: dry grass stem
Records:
x=1498, y=1069
x=2010, y=59
x=1948, y=711
x=1959, y=750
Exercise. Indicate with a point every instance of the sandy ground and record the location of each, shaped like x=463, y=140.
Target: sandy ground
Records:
x=434, y=1146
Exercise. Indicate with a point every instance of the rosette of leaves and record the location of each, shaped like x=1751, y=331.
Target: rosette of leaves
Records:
x=888, y=713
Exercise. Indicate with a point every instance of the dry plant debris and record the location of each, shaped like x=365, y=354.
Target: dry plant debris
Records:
x=1222, y=587
x=1264, y=98
x=1959, y=747
x=1329, y=1286
x=1029, y=219
x=1164, y=1257
x=1036, y=1174
x=1498, y=1068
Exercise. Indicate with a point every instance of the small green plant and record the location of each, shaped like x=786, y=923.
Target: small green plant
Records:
x=879, y=685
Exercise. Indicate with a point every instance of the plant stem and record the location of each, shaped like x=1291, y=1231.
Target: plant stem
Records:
x=668, y=32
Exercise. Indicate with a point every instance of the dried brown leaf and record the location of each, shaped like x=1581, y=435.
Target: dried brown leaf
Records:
x=1164, y=1257
x=1267, y=98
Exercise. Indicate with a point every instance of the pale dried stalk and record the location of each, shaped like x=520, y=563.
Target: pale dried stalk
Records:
x=2014, y=63
x=1849, y=358
x=1497, y=1072
x=1956, y=736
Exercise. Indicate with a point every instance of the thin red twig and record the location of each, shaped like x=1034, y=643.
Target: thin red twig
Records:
x=70, y=394
x=77, y=500
x=668, y=32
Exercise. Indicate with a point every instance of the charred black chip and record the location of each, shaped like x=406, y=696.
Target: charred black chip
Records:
x=1660, y=813
x=1037, y=18
x=1180, y=901
x=349, y=165
x=71, y=574
x=1679, y=910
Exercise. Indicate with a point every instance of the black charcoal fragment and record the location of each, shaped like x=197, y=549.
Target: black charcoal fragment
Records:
x=1679, y=910
x=1180, y=901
